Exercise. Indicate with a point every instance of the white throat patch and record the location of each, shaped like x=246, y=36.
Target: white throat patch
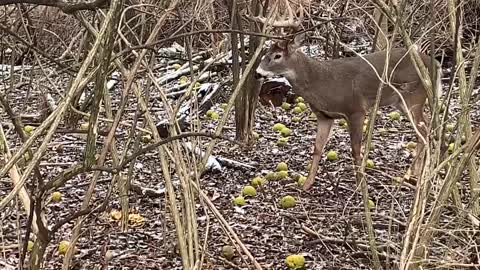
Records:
x=264, y=73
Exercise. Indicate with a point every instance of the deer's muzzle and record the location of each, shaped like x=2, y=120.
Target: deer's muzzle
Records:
x=258, y=76
x=262, y=73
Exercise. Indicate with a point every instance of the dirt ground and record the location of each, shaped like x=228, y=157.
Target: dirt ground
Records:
x=326, y=225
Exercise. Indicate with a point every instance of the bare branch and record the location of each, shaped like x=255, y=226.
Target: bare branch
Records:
x=63, y=5
x=291, y=20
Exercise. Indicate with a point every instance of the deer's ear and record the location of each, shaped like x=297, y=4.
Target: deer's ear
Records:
x=297, y=41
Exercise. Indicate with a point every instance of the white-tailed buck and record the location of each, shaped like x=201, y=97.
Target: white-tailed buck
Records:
x=347, y=88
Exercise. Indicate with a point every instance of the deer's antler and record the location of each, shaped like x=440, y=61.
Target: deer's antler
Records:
x=291, y=22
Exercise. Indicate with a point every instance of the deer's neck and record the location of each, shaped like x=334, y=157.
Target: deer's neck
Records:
x=317, y=83
x=305, y=73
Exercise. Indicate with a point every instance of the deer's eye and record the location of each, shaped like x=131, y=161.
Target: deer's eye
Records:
x=277, y=56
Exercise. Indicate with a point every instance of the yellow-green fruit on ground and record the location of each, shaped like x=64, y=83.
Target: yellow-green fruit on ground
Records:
x=312, y=117
x=249, y=191
x=295, y=261
x=397, y=180
x=299, y=99
x=28, y=129
x=411, y=145
x=183, y=79
x=215, y=116
x=301, y=180
x=451, y=147
x=56, y=196
x=209, y=113
x=297, y=109
x=370, y=164
x=271, y=176
x=282, y=175
x=382, y=131
x=197, y=85
x=394, y=116
x=240, y=201
x=176, y=66
x=286, y=106
x=84, y=126
x=228, y=252
x=223, y=106
x=342, y=122
x=257, y=181
x=255, y=135
x=109, y=255
x=450, y=127
x=282, y=166
x=146, y=138
x=63, y=246
x=296, y=119
x=332, y=155
x=302, y=106
x=371, y=204
x=288, y=202
x=286, y=132
x=278, y=127
x=30, y=246
x=282, y=141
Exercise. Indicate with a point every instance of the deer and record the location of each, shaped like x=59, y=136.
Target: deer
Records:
x=347, y=88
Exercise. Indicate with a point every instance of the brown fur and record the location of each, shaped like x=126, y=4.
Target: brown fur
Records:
x=347, y=88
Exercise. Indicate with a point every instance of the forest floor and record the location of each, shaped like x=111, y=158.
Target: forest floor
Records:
x=327, y=224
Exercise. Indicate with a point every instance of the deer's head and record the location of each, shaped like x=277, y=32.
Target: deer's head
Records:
x=280, y=59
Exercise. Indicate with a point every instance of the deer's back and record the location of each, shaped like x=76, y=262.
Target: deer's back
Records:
x=350, y=84
x=372, y=65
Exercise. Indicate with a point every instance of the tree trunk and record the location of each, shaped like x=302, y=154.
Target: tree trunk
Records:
x=246, y=102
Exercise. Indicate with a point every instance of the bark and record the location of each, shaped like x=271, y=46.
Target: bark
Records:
x=246, y=102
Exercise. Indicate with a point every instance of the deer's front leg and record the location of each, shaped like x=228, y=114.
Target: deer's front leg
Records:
x=355, y=124
x=323, y=131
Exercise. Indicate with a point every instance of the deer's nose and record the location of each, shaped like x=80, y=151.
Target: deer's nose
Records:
x=258, y=76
